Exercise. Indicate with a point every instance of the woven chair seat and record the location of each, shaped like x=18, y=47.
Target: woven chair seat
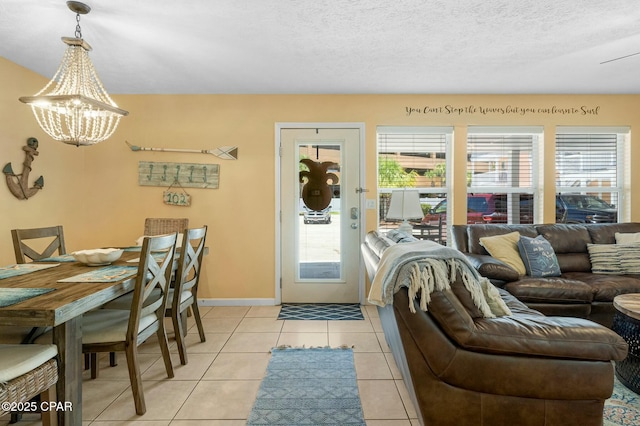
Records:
x=30, y=384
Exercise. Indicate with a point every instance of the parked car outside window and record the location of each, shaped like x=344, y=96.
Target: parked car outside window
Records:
x=492, y=208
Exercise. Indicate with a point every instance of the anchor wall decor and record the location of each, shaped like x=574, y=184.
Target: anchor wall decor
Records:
x=19, y=184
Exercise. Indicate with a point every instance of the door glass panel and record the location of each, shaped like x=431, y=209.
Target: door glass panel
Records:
x=319, y=209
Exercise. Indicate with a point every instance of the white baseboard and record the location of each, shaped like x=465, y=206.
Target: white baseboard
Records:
x=236, y=302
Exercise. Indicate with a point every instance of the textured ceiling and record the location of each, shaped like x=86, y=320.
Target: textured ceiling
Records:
x=333, y=46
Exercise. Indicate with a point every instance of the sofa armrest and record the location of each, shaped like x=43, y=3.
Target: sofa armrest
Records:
x=492, y=268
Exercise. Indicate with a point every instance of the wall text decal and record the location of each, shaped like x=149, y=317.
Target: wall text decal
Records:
x=501, y=110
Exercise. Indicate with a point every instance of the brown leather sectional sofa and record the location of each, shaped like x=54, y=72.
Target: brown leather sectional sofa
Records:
x=577, y=292
x=524, y=369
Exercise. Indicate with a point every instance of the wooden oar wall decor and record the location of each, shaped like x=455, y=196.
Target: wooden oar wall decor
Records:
x=224, y=152
x=19, y=184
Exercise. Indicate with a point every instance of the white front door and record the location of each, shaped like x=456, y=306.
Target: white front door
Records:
x=320, y=215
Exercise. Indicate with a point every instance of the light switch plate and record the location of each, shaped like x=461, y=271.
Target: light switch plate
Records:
x=371, y=204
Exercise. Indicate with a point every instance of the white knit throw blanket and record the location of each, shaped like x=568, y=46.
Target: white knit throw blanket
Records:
x=424, y=267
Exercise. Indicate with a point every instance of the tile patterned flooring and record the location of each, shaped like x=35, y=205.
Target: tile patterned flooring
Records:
x=219, y=384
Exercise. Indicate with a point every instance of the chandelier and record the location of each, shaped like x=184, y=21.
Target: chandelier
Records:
x=74, y=106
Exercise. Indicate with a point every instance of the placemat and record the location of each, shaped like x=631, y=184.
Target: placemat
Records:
x=107, y=274
x=11, y=296
x=23, y=268
x=62, y=258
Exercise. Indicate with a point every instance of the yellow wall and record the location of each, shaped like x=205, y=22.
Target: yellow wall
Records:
x=93, y=191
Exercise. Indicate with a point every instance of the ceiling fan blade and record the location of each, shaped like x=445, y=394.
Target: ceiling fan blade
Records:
x=621, y=57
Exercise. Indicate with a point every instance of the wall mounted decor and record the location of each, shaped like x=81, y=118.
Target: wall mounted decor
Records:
x=190, y=175
x=174, y=197
x=19, y=184
x=224, y=152
x=316, y=192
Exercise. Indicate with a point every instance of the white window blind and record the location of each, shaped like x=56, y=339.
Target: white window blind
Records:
x=412, y=157
x=502, y=164
x=589, y=162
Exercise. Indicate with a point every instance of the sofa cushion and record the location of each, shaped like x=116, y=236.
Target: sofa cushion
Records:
x=604, y=286
x=505, y=248
x=604, y=233
x=475, y=232
x=529, y=334
x=492, y=268
x=551, y=290
x=538, y=257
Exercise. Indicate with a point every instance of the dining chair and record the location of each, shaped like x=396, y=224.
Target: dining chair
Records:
x=24, y=250
x=27, y=371
x=109, y=330
x=160, y=226
x=27, y=245
x=184, y=293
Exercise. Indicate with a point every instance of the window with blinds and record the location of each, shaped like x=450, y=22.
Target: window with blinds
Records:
x=589, y=170
x=501, y=181
x=412, y=157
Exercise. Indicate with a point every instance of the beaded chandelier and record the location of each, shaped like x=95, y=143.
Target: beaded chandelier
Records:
x=74, y=106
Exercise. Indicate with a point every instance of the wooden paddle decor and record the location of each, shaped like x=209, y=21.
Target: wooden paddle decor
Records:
x=19, y=184
x=316, y=192
x=224, y=152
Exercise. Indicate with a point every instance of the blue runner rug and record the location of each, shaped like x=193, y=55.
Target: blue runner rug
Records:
x=320, y=311
x=314, y=386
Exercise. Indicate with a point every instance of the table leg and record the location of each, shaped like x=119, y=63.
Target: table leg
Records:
x=68, y=338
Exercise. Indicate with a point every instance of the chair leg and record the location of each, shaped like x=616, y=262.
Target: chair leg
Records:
x=196, y=314
x=164, y=347
x=95, y=367
x=113, y=359
x=49, y=417
x=135, y=379
x=178, y=329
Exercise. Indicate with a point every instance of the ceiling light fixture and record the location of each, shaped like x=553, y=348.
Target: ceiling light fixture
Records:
x=74, y=106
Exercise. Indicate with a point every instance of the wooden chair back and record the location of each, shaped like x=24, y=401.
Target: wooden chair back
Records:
x=189, y=264
x=24, y=250
x=161, y=226
x=155, y=269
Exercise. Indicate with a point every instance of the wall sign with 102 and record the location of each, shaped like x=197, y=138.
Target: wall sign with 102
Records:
x=177, y=198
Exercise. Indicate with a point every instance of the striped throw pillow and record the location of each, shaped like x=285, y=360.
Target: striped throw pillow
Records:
x=614, y=258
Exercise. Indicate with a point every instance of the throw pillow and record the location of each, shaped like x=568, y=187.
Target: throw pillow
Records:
x=617, y=259
x=505, y=248
x=538, y=257
x=627, y=238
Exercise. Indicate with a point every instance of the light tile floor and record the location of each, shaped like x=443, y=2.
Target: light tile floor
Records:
x=219, y=384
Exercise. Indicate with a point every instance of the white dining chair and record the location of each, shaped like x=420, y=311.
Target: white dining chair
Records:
x=27, y=371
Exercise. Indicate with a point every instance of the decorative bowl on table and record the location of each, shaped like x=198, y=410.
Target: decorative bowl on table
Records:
x=98, y=257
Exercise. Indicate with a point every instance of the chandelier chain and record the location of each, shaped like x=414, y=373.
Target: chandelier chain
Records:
x=78, y=30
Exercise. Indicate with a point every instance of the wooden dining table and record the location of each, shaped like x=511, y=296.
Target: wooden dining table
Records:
x=62, y=309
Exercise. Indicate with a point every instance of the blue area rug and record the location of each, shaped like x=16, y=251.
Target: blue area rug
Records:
x=623, y=408
x=314, y=386
x=320, y=311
